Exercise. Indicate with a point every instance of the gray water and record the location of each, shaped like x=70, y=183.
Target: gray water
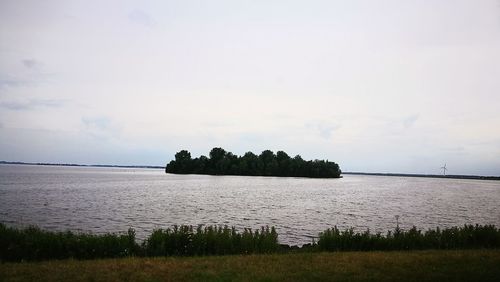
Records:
x=102, y=200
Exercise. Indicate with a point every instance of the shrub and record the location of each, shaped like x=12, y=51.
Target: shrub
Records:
x=209, y=240
x=32, y=243
x=466, y=237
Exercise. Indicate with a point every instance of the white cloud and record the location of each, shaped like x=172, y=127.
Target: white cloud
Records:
x=30, y=63
x=141, y=17
x=101, y=127
x=410, y=121
x=31, y=104
x=377, y=87
x=325, y=129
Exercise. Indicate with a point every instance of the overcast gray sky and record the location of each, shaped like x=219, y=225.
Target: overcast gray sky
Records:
x=377, y=86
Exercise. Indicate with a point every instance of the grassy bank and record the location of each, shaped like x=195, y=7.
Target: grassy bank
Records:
x=431, y=265
x=34, y=244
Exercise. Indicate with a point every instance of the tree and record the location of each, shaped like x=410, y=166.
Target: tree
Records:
x=218, y=162
x=283, y=163
x=183, y=161
x=221, y=162
x=251, y=162
x=269, y=163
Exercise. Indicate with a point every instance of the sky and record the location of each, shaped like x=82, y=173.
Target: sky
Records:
x=376, y=86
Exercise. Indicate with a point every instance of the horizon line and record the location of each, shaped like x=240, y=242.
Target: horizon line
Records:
x=459, y=176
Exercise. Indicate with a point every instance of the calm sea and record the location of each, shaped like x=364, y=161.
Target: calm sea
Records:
x=113, y=199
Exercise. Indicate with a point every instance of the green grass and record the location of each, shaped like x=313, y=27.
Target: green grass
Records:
x=430, y=265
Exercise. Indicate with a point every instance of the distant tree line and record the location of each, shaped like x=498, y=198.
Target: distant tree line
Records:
x=221, y=162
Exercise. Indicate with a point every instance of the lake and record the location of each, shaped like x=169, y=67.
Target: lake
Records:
x=113, y=199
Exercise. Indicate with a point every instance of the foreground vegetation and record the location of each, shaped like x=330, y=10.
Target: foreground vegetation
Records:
x=466, y=237
x=267, y=163
x=35, y=244
x=461, y=265
x=210, y=240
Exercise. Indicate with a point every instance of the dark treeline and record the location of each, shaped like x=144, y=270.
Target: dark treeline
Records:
x=35, y=244
x=221, y=162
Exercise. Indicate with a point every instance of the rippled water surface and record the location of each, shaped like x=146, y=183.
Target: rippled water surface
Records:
x=114, y=199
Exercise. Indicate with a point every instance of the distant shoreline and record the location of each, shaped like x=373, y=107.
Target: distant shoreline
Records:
x=85, y=165
x=451, y=176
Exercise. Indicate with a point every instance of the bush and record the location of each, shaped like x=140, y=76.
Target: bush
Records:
x=466, y=237
x=209, y=240
x=33, y=243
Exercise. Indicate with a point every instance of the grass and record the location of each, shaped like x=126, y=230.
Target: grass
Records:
x=430, y=265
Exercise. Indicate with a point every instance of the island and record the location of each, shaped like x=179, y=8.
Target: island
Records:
x=222, y=162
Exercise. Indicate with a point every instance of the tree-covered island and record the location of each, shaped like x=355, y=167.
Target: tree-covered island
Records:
x=221, y=162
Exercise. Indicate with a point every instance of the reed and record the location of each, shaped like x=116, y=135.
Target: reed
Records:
x=32, y=243
x=466, y=237
x=210, y=240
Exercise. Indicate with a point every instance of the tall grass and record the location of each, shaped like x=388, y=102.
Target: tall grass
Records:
x=466, y=237
x=33, y=243
x=210, y=240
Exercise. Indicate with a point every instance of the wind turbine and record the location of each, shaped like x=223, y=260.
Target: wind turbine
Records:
x=444, y=169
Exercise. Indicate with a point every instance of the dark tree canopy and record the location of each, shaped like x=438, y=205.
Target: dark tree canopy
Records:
x=221, y=162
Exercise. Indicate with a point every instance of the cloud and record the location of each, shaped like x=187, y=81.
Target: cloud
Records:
x=100, y=127
x=32, y=104
x=325, y=129
x=310, y=79
x=410, y=121
x=219, y=124
x=455, y=149
x=97, y=122
x=31, y=76
x=142, y=18
x=30, y=63
x=12, y=82
x=27, y=79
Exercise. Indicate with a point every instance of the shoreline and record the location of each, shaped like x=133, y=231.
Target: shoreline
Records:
x=83, y=165
x=451, y=176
